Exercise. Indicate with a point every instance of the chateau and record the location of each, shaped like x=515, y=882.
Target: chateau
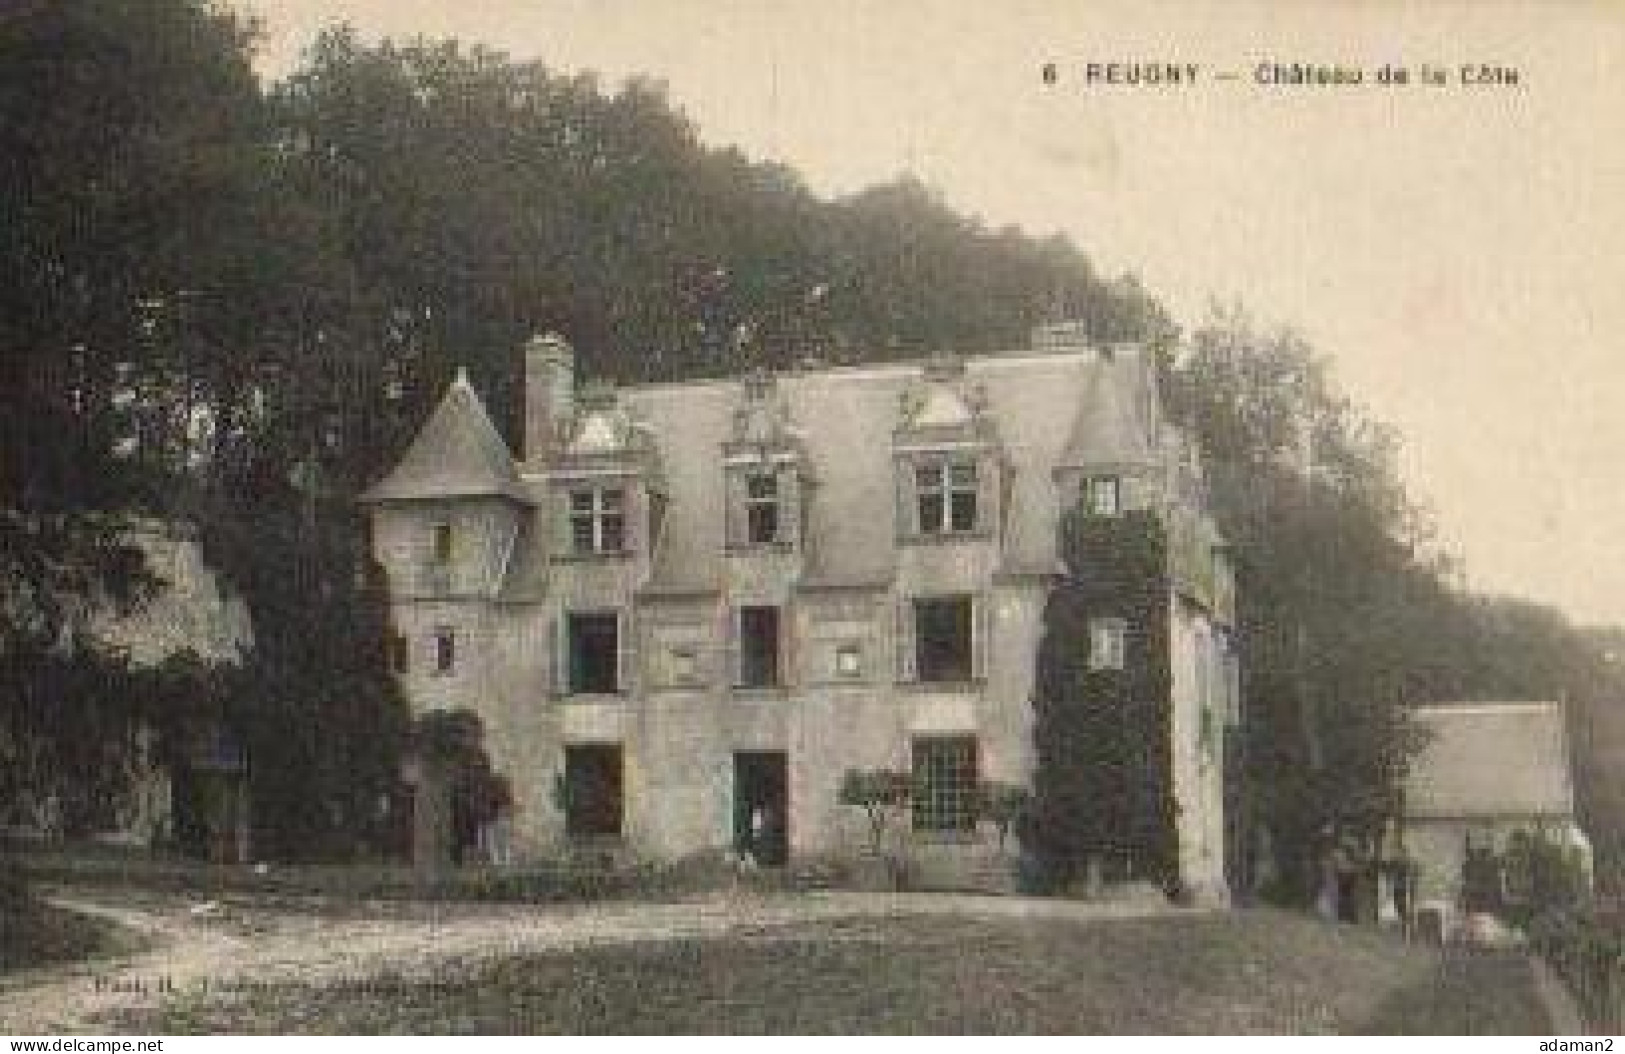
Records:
x=687, y=610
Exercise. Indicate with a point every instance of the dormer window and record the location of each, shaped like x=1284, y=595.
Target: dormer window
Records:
x=607, y=480
x=1103, y=495
x=951, y=470
x=765, y=471
x=761, y=508
x=597, y=520
x=766, y=504
x=946, y=492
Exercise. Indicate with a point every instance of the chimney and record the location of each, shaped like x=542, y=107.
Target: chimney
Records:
x=550, y=368
x=1068, y=335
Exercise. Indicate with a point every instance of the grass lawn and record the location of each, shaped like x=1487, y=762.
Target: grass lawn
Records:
x=1246, y=972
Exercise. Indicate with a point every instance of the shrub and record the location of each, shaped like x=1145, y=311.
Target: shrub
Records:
x=1005, y=805
x=1535, y=876
x=1589, y=952
x=13, y=887
x=879, y=793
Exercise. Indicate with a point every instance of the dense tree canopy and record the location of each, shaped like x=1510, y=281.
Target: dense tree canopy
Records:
x=1348, y=612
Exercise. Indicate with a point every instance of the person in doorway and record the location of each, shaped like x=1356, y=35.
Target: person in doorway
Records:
x=758, y=834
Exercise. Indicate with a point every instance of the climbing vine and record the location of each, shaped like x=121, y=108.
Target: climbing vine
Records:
x=1103, y=779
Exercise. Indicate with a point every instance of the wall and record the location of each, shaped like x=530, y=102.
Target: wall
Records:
x=484, y=536
x=678, y=742
x=1438, y=845
x=1197, y=735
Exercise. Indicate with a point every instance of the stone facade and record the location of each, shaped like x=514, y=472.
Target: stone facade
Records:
x=688, y=609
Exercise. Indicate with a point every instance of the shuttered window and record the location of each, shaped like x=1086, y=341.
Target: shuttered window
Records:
x=593, y=653
x=760, y=659
x=761, y=508
x=944, y=639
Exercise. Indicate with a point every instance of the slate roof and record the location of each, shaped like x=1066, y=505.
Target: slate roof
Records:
x=846, y=417
x=457, y=453
x=1068, y=405
x=1118, y=428
x=1489, y=760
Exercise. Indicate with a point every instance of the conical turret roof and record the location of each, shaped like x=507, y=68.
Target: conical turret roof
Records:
x=1113, y=425
x=457, y=453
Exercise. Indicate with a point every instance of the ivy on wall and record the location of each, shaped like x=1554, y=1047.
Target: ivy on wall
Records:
x=1103, y=780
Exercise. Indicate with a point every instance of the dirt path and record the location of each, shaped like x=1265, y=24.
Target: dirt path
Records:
x=207, y=949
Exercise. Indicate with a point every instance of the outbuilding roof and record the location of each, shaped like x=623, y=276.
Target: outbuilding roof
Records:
x=1491, y=760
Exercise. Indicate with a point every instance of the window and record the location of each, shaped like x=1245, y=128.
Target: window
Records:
x=592, y=790
x=594, y=653
x=1103, y=495
x=761, y=508
x=947, y=497
x=684, y=665
x=441, y=547
x=1108, y=643
x=598, y=520
x=400, y=653
x=445, y=650
x=945, y=784
x=943, y=640
x=758, y=647
x=849, y=661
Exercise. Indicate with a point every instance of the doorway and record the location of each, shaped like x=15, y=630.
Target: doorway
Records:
x=762, y=806
x=593, y=790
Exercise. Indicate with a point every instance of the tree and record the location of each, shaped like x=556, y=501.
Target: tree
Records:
x=319, y=712
x=130, y=142
x=126, y=142
x=1006, y=805
x=879, y=793
x=1340, y=606
x=481, y=199
x=458, y=791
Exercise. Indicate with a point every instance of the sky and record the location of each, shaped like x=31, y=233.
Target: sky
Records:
x=1456, y=250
